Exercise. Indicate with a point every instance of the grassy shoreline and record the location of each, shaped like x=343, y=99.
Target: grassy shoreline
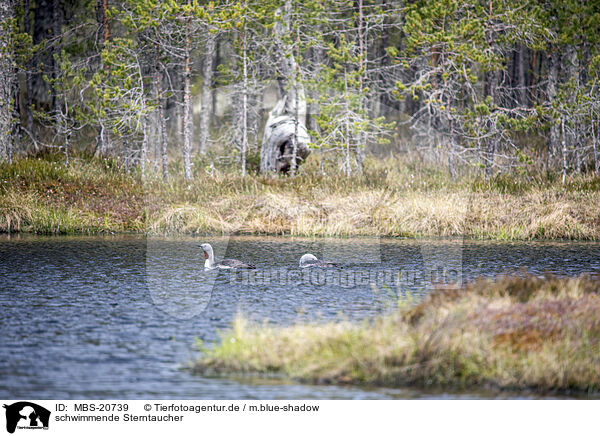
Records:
x=529, y=333
x=391, y=198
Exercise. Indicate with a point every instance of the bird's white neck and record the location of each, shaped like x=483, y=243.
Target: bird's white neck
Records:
x=210, y=260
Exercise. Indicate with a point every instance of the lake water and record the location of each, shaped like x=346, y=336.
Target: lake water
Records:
x=116, y=317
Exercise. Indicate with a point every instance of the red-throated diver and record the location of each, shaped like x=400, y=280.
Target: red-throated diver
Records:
x=210, y=263
x=308, y=261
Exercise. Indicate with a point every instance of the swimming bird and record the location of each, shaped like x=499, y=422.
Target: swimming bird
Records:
x=210, y=263
x=308, y=261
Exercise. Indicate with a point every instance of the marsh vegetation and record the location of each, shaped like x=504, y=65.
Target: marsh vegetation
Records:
x=515, y=333
x=400, y=196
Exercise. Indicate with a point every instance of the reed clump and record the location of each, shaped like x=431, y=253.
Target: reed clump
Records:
x=528, y=332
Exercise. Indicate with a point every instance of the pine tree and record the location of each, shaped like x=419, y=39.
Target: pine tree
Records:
x=452, y=47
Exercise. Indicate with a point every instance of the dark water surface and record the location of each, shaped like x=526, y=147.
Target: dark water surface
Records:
x=116, y=317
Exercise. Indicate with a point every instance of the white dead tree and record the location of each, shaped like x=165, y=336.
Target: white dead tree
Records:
x=285, y=138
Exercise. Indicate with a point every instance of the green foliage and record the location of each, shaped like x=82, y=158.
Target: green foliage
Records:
x=452, y=63
x=342, y=87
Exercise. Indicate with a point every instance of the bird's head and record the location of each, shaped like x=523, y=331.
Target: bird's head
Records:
x=207, y=250
x=307, y=259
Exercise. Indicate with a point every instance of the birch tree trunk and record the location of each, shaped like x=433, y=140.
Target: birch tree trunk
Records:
x=101, y=10
x=244, y=99
x=144, y=150
x=564, y=150
x=163, y=137
x=294, y=159
x=57, y=21
x=594, y=143
x=553, y=133
x=571, y=67
x=492, y=83
x=217, y=62
x=8, y=81
x=187, y=106
x=313, y=109
x=154, y=137
x=28, y=74
x=362, y=138
x=162, y=122
x=347, y=125
x=491, y=141
x=207, y=98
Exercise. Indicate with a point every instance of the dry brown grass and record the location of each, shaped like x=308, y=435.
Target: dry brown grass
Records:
x=391, y=198
x=569, y=215
x=515, y=333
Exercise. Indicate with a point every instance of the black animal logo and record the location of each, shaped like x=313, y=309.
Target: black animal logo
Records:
x=26, y=414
